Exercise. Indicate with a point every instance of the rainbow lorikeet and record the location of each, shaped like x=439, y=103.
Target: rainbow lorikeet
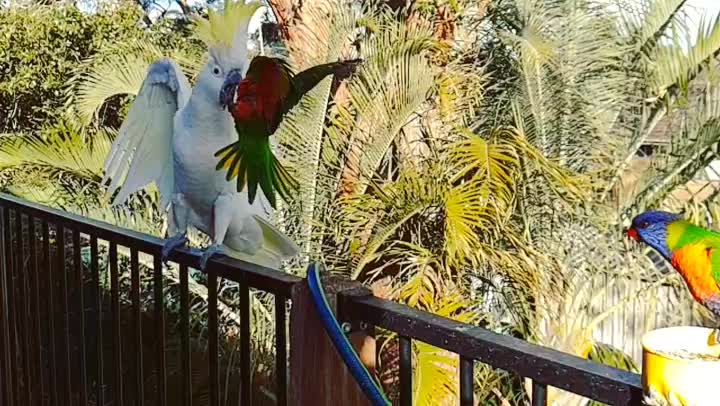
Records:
x=692, y=250
x=258, y=102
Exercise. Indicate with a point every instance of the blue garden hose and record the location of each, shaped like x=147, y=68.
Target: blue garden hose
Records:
x=340, y=341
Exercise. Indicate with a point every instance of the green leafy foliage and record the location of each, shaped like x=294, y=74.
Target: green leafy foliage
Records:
x=42, y=47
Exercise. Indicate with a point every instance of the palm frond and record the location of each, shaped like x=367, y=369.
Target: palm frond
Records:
x=384, y=96
x=120, y=71
x=674, y=66
x=300, y=136
x=571, y=85
x=62, y=168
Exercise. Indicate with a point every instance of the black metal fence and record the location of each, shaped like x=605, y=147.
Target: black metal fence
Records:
x=52, y=328
x=44, y=302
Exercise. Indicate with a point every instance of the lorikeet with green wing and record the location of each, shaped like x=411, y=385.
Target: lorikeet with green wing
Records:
x=692, y=250
x=258, y=102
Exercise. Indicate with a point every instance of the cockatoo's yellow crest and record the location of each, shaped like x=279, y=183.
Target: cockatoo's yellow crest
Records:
x=219, y=30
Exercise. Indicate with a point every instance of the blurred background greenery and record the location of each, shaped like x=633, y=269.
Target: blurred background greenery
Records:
x=481, y=165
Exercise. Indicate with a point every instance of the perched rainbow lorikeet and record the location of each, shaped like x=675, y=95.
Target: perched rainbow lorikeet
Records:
x=692, y=250
x=258, y=104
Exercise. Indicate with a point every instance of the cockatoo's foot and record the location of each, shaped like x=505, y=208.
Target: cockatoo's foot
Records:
x=211, y=251
x=171, y=244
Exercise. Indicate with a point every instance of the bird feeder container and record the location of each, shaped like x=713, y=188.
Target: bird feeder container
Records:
x=680, y=367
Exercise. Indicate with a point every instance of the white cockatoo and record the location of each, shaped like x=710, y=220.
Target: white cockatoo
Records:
x=170, y=136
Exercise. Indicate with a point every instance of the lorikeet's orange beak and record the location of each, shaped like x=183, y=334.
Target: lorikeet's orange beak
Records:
x=632, y=233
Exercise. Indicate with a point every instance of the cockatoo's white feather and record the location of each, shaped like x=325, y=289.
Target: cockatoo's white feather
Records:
x=142, y=152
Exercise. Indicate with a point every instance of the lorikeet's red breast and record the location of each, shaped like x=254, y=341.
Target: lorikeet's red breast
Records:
x=692, y=250
x=258, y=100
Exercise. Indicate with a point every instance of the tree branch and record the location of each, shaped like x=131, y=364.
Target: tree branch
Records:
x=184, y=7
x=284, y=15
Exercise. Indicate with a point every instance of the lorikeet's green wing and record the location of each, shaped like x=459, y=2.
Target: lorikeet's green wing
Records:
x=715, y=259
x=306, y=80
x=251, y=160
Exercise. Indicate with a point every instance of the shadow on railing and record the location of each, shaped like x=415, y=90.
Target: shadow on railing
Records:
x=60, y=344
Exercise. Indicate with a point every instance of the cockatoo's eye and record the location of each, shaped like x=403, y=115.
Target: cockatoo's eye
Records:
x=216, y=70
x=643, y=224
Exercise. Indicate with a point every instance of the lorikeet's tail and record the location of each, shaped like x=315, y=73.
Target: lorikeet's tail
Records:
x=252, y=162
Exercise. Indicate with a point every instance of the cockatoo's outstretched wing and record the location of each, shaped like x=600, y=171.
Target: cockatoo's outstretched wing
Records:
x=142, y=152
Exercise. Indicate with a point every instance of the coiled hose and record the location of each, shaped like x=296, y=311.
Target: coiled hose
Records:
x=340, y=341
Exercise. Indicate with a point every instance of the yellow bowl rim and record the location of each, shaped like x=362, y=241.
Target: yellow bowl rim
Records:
x=647, y=349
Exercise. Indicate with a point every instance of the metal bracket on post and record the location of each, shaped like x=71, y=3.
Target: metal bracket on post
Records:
x=344, y=301
x=360, y=334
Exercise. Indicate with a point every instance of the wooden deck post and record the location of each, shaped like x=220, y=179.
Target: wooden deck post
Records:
x=318, y=376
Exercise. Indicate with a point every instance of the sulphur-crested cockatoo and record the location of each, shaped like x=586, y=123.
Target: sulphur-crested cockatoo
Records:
x=170, y=136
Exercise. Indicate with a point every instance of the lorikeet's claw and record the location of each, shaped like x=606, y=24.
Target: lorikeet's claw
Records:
x=171, y=244
x=347, y=68
x=211, y=251
x=714, y=338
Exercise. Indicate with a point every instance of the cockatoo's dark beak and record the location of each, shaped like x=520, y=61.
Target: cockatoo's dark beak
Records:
x=228, y=91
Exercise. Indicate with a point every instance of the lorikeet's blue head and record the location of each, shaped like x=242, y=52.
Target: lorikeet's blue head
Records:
x=651, y=228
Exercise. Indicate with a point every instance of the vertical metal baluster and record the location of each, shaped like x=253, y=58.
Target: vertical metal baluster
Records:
x=79, y=280
x=405, y=371
x=34, y=271
x=280, y=350
x=466, y=381
x=62, y=272
x=159, y=330
x=21, y=300
x=52, y=336
x=212, y=286
x=31, y=353
x=539, y=394
x=115, y=310
x=4, y=341
x=245, y=390
x=12, y=310
x=95, y=270
x=137, y=313
x=185, y=335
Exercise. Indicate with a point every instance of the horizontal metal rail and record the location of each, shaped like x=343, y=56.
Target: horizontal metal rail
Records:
x=257, y=276
x=545, y=366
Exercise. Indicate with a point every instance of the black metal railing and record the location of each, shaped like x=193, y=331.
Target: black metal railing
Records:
x=51, y=332
x=545, y=366
x=46, y=320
